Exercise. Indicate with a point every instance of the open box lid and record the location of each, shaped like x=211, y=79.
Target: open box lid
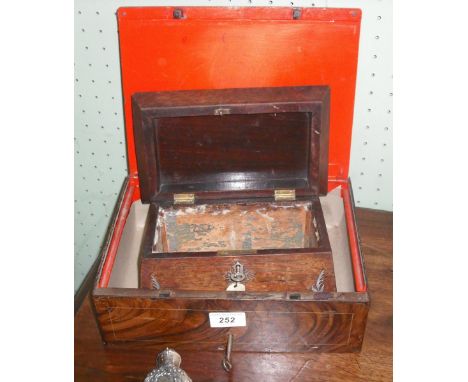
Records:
x=223, y=143
x=186, y=48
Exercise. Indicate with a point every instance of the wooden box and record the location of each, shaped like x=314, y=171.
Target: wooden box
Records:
x=163, y=49
x=233, y=177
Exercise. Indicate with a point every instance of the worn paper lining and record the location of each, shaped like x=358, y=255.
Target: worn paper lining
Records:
x=239, y=226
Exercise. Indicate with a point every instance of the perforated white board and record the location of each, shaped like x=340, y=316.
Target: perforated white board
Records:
x=100, y=157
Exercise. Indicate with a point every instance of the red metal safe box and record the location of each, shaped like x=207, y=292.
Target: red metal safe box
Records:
x=187, y=48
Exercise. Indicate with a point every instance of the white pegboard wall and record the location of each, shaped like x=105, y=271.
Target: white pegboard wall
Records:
x=100, y=157
x=372, y=144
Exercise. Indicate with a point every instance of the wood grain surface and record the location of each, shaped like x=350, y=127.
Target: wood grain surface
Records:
x=289, y=272
x=272, y=325
x=95, y=361
x=237, y=140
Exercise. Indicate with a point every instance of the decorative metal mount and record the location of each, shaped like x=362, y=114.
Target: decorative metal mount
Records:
x=168, y=368
x=154, y=282
x=238, y=274
x=320, y=283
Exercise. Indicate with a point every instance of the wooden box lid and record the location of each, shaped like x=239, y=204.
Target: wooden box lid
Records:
x=232, y=142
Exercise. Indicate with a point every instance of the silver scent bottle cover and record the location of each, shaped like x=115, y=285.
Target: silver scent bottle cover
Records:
x=168, y=368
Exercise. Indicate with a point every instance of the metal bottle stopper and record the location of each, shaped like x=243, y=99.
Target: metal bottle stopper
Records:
x=168, y=368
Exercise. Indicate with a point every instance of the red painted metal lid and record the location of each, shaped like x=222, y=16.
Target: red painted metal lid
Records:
x=182, y=48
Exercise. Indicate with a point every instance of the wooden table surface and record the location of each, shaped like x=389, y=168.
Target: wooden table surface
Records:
x=114, y=363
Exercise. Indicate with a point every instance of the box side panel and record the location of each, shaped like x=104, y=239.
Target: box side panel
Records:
x=355, y=239
x=281, y=325
x=115, y=231
x=353, y=236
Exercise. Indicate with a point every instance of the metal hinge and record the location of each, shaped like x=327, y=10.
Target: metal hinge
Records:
x=184, y=198
x=285, y=194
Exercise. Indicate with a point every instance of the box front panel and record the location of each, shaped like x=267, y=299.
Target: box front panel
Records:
x=291, y=272
x=271, y=326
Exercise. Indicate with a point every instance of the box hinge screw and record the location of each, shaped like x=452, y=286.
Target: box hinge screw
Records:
x=297, y=13
x=178, y=14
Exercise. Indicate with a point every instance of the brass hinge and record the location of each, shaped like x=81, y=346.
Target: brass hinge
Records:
x=184, y=198
x=285, y=194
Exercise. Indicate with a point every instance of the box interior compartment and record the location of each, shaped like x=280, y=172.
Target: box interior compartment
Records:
x=235, y=226
x=125, y=270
